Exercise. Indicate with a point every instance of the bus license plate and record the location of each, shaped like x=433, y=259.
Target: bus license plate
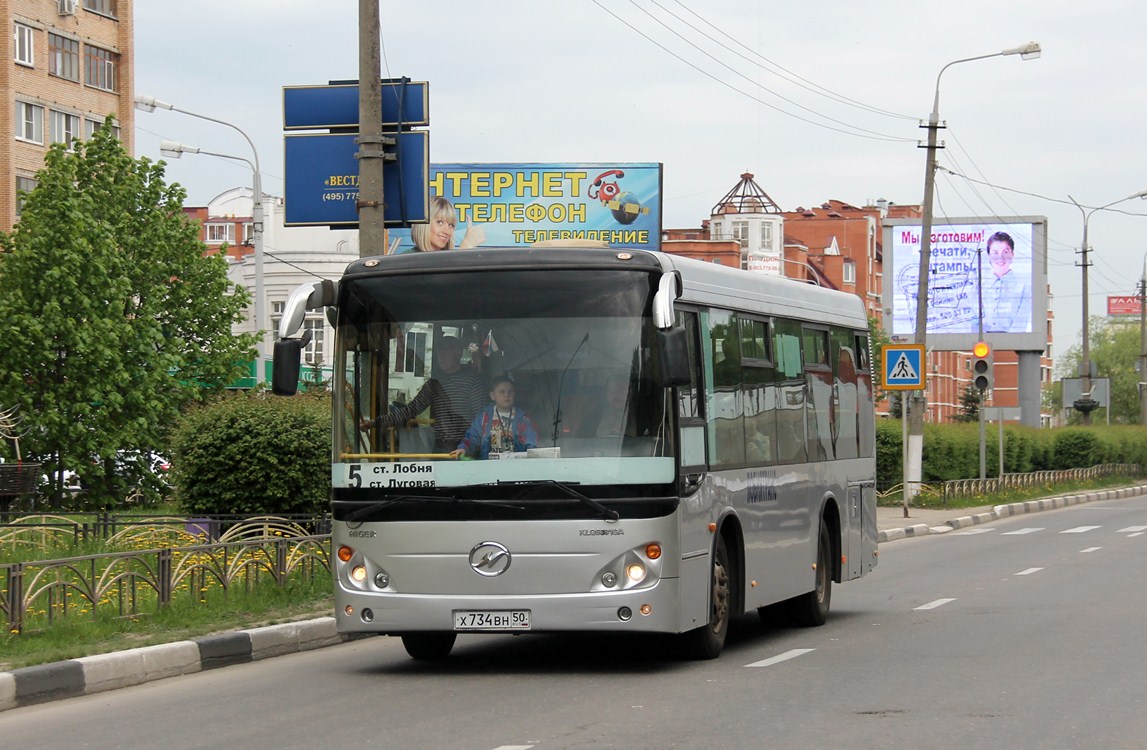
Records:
x=509, y=619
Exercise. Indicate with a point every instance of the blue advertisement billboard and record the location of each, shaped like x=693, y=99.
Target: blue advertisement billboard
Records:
x=508, y=204
x=985, y=274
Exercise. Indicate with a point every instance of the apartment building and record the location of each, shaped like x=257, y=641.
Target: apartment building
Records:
x=67, y=65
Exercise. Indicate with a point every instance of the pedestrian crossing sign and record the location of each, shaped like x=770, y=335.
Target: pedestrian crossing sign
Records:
x=903, y=367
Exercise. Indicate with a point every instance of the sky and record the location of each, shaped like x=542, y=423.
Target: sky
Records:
x=820, y=101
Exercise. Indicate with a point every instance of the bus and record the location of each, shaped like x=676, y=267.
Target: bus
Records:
x=735, y=469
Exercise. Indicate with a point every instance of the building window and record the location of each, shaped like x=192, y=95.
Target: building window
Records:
x=25, y=45
x=102, y=68
x=103, y=7
x=766, y=234
x=65, y=127
x=313, y=353
x=23, y=185
x=63, y=57
x=92, y=125
x=741, y=232
x=248, y=233
x=29, y=122
x=849, y=272
x=219, y=233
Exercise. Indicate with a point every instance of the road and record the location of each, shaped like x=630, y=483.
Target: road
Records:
x=1024, y=633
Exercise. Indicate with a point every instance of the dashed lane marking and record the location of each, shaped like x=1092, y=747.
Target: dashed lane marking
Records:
x=1020, y=532
x=933, y=605
x=1080, y=529
x=794, y=653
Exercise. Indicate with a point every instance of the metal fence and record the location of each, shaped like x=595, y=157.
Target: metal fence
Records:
x=962, y=488
x=166, y=565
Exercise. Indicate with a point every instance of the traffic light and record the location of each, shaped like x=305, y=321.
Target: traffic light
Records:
x=982, y=366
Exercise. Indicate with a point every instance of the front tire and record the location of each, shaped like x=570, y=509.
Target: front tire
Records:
x=811, y=609
x=428, y=646
x=707, y=641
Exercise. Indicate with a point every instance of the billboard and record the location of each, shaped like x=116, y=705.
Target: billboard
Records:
x=985, y=274
x=1123, y=305
x=509, y=204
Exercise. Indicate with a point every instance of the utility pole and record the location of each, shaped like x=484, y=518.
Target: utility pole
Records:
x=371, y=200
x=1142, y=379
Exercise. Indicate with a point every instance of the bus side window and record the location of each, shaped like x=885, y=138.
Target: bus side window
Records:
x=790, y=395
x=690, y=398
x=727, y=424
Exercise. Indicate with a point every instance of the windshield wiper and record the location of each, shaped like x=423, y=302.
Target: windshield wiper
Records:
x=608, y=514
x=366, y=510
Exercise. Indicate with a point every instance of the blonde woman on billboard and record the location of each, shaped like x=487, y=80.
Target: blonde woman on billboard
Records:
x=438, y=234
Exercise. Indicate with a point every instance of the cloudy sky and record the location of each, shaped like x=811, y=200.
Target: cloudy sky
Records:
x=820, y=101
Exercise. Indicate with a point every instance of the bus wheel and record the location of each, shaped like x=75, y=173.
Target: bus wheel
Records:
x=707, y=641
x=428, y=646
x=811, y=609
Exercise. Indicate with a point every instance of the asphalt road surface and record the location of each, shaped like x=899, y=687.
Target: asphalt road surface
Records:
x=1029, y=632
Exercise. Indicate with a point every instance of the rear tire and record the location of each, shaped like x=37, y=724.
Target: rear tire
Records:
x=428, y=646
x=811, y=609
x=707, y=641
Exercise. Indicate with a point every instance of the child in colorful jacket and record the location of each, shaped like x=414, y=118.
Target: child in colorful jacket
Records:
x=499, y=428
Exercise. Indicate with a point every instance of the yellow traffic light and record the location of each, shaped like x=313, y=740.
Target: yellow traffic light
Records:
x=981, y=349
x=982, y=366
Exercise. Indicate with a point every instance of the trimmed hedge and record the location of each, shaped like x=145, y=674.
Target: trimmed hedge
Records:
x=952, y=451
x=255, y=453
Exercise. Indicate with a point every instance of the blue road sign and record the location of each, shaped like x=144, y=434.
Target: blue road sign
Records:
x=405, y=104
x=321, y=187
x=903, y=367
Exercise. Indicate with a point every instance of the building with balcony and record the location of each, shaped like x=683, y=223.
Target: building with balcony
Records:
x=67, y=65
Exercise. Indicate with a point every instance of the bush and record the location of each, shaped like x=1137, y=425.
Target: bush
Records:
x=254, y=454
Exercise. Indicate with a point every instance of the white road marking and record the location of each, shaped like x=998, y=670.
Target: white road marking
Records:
x=794, y=653
x=1132, y=530
x=1080, y=529
x=933, y=605
x=1019, y=532
x=514, y=747
x=1091, y=549
x=970, y=532
x=1029, y=571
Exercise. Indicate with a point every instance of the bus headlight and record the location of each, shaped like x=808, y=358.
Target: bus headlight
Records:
x=358, y=573
x=638, y=566
x=635, y=572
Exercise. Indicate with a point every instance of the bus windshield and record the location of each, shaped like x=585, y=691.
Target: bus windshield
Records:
x=465, y=378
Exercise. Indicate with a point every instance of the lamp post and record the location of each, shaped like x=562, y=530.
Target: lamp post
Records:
x=150, y=104
x=913, y=466
x=1085, y=354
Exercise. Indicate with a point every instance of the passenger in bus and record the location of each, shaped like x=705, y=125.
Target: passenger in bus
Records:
x=500, y=427
x=453, y=394
x=438, y=234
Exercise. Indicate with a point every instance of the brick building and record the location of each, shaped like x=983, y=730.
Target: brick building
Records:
x=67, y=65
x=839, y=246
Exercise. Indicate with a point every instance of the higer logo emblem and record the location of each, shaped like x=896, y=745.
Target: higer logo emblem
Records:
x=490, y=559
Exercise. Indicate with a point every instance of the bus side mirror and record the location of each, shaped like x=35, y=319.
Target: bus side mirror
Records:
x=674, y=346
x=287, y=364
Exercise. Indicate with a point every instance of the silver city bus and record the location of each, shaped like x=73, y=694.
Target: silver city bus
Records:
x=687, y=442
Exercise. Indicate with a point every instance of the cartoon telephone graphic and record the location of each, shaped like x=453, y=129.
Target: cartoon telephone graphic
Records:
x=605, y=189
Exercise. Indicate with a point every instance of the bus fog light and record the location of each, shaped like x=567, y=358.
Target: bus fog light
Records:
x=382, y=579
x=635, y=572
x=646, y=609
x=348, y=610
x=609, y=579
x=624, y=614
x=367, y=615
x=358, y=573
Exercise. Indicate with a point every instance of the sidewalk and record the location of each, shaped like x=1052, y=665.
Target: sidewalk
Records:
x=93, y=674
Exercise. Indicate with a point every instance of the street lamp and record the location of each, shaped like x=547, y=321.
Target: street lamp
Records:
x=1085, y=358
x=150, y=104
x=1142, y=379
x=914, y=459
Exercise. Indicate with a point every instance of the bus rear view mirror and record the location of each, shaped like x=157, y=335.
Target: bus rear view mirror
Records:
x=287, y=365
x=674, y=346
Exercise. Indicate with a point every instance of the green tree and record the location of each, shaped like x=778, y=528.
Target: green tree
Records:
x=969, y=405
x=1113, y=348
x=114, y=317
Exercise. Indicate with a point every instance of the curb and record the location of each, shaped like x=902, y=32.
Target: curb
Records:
x=1004, y=511
x=94, y=674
